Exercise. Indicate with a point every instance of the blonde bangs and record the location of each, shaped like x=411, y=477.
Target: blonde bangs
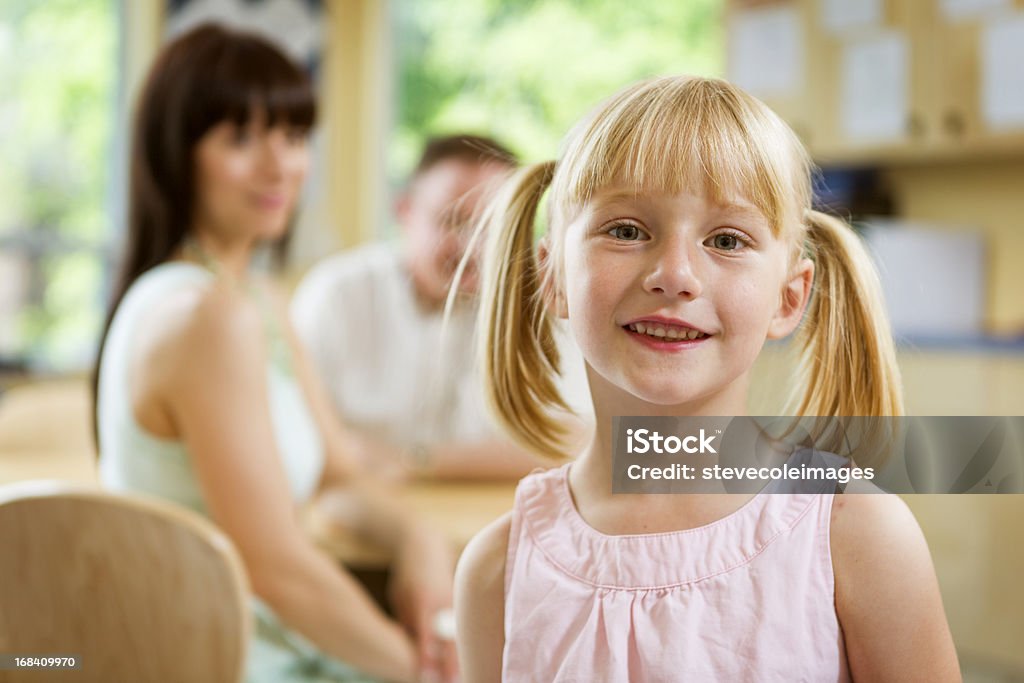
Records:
x=700, y=135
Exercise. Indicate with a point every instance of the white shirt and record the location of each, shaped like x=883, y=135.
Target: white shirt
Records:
x=390, y=366
x=133, y=459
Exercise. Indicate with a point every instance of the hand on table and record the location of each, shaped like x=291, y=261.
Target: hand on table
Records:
x=421, y=590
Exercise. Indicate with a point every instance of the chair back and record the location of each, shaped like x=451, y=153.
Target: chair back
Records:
x=137, y=589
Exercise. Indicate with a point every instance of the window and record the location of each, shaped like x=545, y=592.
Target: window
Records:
x=523, y=71
x=58, y=64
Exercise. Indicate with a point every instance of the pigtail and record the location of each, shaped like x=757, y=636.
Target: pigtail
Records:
x=848, y=359
x=516, y=341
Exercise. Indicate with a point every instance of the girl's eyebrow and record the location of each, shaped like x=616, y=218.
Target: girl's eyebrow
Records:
x=742, y=211
x=603, y=199
x=729, y=209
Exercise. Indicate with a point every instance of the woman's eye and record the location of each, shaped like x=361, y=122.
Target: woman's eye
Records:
x=240, y=136
x=626, y=233
x=726, y=242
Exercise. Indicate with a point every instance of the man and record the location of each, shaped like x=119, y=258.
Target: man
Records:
x=401, y=376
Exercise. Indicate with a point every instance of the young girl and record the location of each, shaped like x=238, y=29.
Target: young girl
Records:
x=680, y=238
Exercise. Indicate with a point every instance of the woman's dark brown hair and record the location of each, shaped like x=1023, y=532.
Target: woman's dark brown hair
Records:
x=208, y=75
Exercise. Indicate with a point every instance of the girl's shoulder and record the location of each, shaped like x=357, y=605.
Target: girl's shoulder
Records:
x=481, y=569
x=876, y=544
x=482, y=565
x=886, y=592
x=480, y=601
x=871, y=526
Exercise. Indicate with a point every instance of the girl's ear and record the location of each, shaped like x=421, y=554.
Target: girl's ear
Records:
x=795, y=294
x=554, y=298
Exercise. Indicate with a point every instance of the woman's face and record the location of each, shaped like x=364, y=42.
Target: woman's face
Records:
x=248, y=178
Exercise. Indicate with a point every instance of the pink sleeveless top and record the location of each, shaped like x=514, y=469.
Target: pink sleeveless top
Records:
x=747, y=598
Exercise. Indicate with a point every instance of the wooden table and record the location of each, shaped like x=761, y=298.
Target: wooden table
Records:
x=458, y=510
x=51, y=416
x=45, y=432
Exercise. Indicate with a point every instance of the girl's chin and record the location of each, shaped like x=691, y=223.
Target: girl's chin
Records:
x=669, y=400
x=667, y=405
x=648, y=400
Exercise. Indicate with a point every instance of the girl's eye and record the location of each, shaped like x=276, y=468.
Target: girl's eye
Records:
x=626, y=233
x=726, y=241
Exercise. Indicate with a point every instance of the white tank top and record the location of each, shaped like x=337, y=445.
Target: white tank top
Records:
x=132, y=459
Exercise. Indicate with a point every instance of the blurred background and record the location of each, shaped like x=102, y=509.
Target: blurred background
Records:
x=914, y=109
x=390, y=75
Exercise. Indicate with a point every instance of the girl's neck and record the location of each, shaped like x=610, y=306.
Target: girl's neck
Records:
x=593, y=468
x=591, y=475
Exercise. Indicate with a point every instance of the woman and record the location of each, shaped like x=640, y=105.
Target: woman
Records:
x=204, y=396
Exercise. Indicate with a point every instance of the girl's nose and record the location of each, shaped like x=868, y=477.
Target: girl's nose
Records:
x=673, y=272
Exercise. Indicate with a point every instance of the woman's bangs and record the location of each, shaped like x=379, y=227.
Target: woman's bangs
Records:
x=251, y=78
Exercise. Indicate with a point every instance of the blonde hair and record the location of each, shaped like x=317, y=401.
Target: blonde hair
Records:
x=672, y=134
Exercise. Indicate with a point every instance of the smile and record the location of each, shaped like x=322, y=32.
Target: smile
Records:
x=665, y=332
x=269, y=202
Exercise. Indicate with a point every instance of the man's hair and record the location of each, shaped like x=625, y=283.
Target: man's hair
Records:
x=474, y=149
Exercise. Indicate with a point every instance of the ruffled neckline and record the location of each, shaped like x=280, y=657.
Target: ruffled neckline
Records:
x=655, y=561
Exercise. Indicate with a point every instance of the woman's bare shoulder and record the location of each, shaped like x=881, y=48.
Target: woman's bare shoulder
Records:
x=214, y=322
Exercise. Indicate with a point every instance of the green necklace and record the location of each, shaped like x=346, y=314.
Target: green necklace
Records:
x=277, y=342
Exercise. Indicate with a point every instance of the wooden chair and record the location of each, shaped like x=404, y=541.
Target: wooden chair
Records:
x=138, y=589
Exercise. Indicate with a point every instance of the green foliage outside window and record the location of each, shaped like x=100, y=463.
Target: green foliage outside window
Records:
x=520, y=70
x=525, y=70
x=58, y=70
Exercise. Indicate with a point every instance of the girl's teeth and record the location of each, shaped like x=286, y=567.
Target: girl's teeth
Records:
x=662, y=333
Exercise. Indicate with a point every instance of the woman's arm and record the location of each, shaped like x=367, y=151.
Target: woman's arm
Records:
x=480, y=603
x=215, y=389
x=481, y=460
x=887, y=595
x=423, y=566
x=484, y=460
x=491, y=459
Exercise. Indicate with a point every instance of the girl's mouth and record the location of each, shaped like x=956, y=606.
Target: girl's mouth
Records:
x=664, y=332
